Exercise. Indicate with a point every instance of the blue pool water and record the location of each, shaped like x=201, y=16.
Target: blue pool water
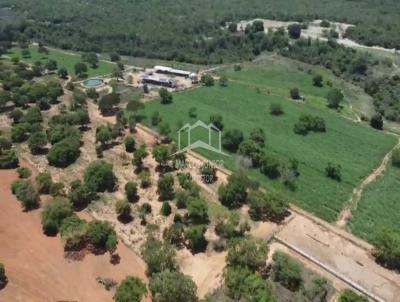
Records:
x=93, y=82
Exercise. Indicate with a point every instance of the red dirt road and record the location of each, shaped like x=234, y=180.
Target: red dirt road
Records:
x=35, y=264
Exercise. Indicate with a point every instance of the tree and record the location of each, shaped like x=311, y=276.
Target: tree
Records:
x=138, y=156
x=265, y=206
x=275, y=109
x=223, y=81
x=232, y=139
x=92, y=93
x=155, y=118
x=198, y=211
x=248, y=253
x=114, y=57
x=377, y=121
x=161, y=154
x=8, y=159
x=3, y=276
x=62, y=73
x=131, y=289
x=123, y=210
x=234, y=193
x=104, y=135
x=44, y=182
x=99, y=177
x=80, y=69
x=287, y=271
x=208, y=173
x=318, y=80
x=207, y=80
x=51, y=65
x=64, y=152
x=294, y=31
x=129, y=144
x=158, y=256
x=80, y=195
x=195, y=237
x=26, y=193
x=347, y=295
x=334, y=171
x=16, y=115
x=131, y=191
x=102, y=235
x=295, y=94
x=396, y=157
x=24, y=172
x=165, y=187
x=36, y=142
x=33, y=115
x=91, y=58
x=173, y=286
x=335, y=98
x=73, y=231
x=387, y=248
x=54, y=213
x=270, y=166
x=165, y=95
x=216, y=120
x=107, y=103
x=165, y=209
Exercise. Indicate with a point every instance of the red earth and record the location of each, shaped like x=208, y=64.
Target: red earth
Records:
x=35, y=264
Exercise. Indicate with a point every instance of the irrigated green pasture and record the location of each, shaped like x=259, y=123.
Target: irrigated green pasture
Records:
x=244, y=104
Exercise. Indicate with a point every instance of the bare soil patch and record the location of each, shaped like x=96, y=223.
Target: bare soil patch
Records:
x=35, y=264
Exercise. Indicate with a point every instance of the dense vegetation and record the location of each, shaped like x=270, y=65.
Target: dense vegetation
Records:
x=165, y=32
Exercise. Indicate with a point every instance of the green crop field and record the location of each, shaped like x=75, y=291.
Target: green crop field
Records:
x=379, y=206
x=64, y=59
x=244, y=105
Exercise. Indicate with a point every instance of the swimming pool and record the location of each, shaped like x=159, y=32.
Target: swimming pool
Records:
x=93, y=82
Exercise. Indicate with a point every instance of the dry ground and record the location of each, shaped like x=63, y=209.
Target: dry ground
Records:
x=36, y=266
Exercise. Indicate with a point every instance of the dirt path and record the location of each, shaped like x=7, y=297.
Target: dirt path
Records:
x=346, y=213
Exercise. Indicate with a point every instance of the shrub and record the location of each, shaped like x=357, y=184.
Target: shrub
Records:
x=387, y=248
x=294, y=31
x=318, y=80
x=295, y=94
x=334, y=171
x=166, y=209
x=267, y=207
x=123, y=210
x=309, y=123
x=195, y=237
x=26, y=192
x=223, y=81
x=248, y=253
x=208, y=173
x=73, y=231
x=64, y=153
x=232, y=139
x=129, y=144
x=198, y=211
x=172, y=286
x=155, y=118
x=207, y=80
x=166, y=96
x=275, y=109
x=396, y=157
x=8, y=159
x=165, y=187
x=216, y=120
x=131, y=191
x=36, y=142
x=80, y=195
x=99, y=177
x=158, y=256
x=181, y=199
x=192, y=112
x=54, y=213
x=175, y=233
x=3, y=276
x=335, y=98
x=376, y=121
x=131, y=289
x=234, y=193
x=24, y=172
x=347, y=295
x=145, y=180
x=44, y=182
x=270, y=166
x=287, y=271
x=102, y=235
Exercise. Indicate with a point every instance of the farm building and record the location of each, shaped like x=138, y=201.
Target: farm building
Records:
x=155, y=80
x=177, y=72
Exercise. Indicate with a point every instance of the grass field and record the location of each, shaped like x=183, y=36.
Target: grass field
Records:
x=244, y=104
x=379, y=206
x=64, y=59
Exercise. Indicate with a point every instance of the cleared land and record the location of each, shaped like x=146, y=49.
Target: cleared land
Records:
x=63, y=59
x=35, y=263
x=244, y=105
x=379, y=205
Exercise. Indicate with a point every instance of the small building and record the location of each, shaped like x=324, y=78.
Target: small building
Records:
x=172, y=71
x=159, y=81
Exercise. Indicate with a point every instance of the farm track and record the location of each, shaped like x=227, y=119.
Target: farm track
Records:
x=346, y=213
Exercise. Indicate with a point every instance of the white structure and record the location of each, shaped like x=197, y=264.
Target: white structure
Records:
x=177, y=72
